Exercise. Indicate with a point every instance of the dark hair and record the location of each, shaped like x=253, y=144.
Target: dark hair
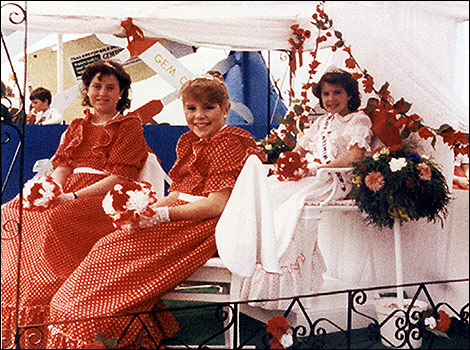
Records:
x=42, y=94
x=209, y=87
x=104, y=68
x=343, y=79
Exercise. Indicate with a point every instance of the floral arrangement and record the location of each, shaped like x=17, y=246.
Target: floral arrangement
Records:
x=127, y=202
x=392, y=122
x=41, y=193
x=397, y=183
x=290, y=166
x=279, y=328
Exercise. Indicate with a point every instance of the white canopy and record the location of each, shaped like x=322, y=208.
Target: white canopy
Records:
x=412, y=45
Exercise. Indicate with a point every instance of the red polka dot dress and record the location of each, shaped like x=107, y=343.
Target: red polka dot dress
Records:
x=57, y=240
x=128, y=271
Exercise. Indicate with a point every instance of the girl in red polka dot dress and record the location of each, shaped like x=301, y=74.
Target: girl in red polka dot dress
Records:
x=129, y=270
x=96, y=152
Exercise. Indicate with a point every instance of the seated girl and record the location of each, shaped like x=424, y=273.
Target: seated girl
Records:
x=276, y=255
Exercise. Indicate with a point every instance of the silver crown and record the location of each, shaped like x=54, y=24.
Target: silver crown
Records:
x=334, y=69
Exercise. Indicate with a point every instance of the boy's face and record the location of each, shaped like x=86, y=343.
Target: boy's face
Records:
x=39, y=106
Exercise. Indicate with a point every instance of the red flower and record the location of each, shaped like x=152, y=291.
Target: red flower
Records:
x=425, y=172
x=278, y=326
x=368, y=84
x=444, y=322
x=350, y=63
x=356, y=76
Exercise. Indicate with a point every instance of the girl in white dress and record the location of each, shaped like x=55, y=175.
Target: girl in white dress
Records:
x=259, y=235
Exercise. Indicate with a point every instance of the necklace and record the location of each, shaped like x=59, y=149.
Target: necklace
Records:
x=103, y=123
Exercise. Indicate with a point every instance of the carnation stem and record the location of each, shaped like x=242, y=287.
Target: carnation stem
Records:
x=398, y=262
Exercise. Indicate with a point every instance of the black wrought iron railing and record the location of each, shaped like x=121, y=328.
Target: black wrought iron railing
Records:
x=408, y=324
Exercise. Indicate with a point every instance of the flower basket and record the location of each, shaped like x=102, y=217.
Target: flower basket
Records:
x=399, y=184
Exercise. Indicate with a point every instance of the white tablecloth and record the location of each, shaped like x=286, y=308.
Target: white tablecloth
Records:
x=364, y=255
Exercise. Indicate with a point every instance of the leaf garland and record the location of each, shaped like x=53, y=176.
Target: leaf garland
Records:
x=392, y=121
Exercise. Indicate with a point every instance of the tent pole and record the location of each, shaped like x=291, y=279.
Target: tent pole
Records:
x=268, y=115
x=60, y=63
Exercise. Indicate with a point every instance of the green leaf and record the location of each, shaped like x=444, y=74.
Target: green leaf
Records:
x=405, y=105
x=384, y=88
x=279, y=118
x=405, y=133
x=443, y=128
x=370, y=107
x=298, y=109
x=339, y=43
x=108, y=343
x=439, y=333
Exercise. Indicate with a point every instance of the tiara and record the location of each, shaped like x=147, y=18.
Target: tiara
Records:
x=334, y=69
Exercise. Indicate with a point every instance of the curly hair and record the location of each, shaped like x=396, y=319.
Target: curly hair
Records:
x=343, y=79
x=104, y=68
x=209, y=87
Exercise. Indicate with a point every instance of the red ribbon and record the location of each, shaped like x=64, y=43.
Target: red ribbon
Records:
x=136, y=41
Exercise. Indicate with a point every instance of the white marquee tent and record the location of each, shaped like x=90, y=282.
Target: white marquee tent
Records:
x=413, y=45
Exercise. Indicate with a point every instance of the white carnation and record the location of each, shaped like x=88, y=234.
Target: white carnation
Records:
x=430, y=322
x=138, y=201
x=286, y=340
x=396, y=164
x=108, y=204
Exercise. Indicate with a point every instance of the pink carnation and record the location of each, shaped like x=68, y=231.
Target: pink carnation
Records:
x=424, y=171
x=374, y=181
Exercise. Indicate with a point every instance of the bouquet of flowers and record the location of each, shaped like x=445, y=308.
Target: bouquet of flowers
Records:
x=128, y=202
x=41, y=193
x=399, y=184
x=290, y=166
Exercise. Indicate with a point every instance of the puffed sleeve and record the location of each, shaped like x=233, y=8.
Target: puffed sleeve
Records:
x=129, y=150
x=358, y=131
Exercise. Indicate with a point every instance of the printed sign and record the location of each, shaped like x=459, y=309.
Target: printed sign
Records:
x=80, y=62
x=164, y=63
